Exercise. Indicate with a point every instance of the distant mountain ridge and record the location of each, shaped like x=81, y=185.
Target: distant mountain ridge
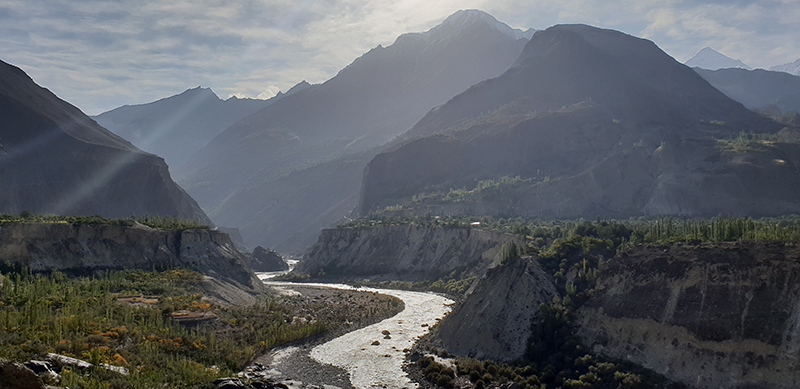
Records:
x=375, y=98
x=176, y=127
x=791, y=68
x=757, y=89
x=56, y=160
x=595, y=123
x=708, y=58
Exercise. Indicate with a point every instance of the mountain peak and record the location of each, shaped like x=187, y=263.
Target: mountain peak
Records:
x=462, y=19
x=298, y=87
x=708, y=58
x=198, y=90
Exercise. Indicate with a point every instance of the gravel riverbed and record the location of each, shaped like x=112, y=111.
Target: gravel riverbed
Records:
x=367, y=353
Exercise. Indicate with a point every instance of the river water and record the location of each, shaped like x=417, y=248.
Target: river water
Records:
x=373, y=359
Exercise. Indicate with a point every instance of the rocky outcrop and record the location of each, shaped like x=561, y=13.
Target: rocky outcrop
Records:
x=15, y=375
x=494, y=322
x=67, y=247
x=707, y=315
x=403, y=252
x=267, y=260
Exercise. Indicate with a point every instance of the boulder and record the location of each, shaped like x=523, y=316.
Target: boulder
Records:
x=267, y=260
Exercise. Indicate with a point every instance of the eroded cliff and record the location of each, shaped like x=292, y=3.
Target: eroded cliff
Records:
x=403, y=252
x=68, y=247
x=494, y=321
x=708, y=315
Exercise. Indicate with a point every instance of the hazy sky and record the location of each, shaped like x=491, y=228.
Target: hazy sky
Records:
x=100, y=54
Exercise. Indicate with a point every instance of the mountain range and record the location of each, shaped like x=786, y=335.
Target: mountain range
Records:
x=594, y=123
x=177, y=127
x=249, y=175
x=56, y=160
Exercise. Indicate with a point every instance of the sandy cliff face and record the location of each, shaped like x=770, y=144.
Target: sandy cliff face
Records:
x=708, y=315
x=56, y=246
x=494, y=322
x=406, y=252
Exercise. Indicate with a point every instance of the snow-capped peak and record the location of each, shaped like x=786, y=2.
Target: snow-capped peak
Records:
x=710, y=59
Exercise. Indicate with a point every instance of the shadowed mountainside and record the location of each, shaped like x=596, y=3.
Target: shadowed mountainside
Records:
x=54, y=159
x=601, y=123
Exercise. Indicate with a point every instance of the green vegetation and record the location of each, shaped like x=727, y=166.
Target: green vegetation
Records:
x=454, y=285
x=624, y=233
x=745, y=141
x=159, y=221
x=482, y=188
x=130, y=319
x=589, y=372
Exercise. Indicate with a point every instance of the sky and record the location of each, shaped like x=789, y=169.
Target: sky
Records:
x=101, y=54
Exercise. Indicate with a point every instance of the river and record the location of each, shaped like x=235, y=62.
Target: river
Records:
x=372, y=358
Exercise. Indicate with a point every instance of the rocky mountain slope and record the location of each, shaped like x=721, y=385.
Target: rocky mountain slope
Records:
x=757, y=89
x=710, y=59
x=177, y=127
x=403, y=252
x=377, y=97
x=91, y=247
x=600, y=123
x=708, y=315
x=54, y=159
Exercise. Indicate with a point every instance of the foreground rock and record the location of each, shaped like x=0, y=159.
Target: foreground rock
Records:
x=403, y=252
x=82, y=248
x=15, y=375
x=708, y=315
x=494, y=322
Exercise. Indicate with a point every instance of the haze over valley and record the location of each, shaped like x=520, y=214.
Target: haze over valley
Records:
x=600, y=200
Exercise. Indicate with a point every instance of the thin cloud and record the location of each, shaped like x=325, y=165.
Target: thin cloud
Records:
x=99, y=54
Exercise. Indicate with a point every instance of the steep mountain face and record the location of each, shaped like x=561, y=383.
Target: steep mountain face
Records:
x=177, y=127
x=378, y=96
x=54, y=159
x=597, y=123
x=710, y=59
x=757, y=89
x=711, y=315
x=791, y=68
x=403, y=252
